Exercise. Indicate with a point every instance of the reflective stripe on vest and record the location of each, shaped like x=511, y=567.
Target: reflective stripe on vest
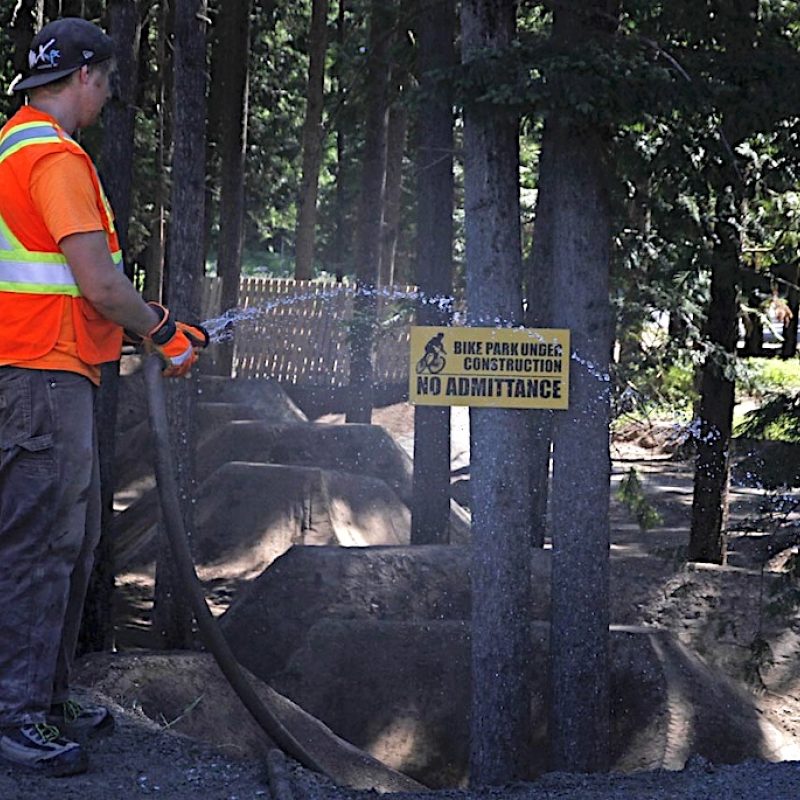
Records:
x=5, y=244
x=29, y=133
x=41, y=273
x=31, y=272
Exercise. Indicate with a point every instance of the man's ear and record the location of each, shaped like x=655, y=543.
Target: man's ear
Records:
x=83, y=75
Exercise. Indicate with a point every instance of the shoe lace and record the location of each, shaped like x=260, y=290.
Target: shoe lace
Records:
x=72, y=710
x=48, y=733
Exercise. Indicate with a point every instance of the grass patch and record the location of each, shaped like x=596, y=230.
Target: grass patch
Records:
x=775, y=384
x=770, y=375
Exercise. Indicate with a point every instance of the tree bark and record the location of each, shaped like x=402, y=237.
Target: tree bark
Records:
x=500, y=737
x=435, y=30
x=371, y=200
x=157, y=246
x=790, y=325
x=26, y=19
x=539, y=282
x=312, y=142
x=581, y=241
x=341, y=241
x=172, y=615
x=234, y=37
x=396, y=144
x=116, y=167
x=707, y=539
x=395, y=150
x=581, y=462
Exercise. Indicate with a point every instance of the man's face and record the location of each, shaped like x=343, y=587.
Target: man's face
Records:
x=96, y=92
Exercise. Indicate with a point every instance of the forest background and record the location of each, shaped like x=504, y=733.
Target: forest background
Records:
x=627, y=170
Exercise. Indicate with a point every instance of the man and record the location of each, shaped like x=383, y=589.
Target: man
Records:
x=63, y=305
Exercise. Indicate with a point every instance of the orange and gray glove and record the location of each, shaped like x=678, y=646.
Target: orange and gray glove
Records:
x=176, y=343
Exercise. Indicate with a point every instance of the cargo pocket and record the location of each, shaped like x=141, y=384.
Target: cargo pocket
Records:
x=25, y=426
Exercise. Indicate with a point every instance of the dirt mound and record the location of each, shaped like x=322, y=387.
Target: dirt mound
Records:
x=267, y=508
x=187, y=693
x=656, y=436
x=745, y=622
x=361, y=449
x=401, y=691
x=219, y=401
x=264, y=396
x=273, y=616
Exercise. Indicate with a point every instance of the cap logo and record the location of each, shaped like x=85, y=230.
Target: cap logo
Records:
x=47, y=56
x=87, y=54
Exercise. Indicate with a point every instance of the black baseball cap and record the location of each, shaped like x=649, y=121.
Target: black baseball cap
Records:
x=62, y=47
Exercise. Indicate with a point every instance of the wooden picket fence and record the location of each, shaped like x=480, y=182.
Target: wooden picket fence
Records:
x=297, y=331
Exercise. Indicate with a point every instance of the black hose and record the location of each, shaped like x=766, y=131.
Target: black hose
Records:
x=210, y=632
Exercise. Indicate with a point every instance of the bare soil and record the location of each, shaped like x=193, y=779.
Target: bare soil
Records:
x=743, y=620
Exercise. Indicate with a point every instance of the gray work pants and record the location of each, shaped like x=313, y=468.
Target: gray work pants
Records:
x=49, y=528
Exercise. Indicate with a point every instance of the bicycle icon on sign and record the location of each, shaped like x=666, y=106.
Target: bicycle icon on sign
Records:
x=433, y=361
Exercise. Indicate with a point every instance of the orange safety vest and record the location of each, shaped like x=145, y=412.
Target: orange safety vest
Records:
x=36, y=281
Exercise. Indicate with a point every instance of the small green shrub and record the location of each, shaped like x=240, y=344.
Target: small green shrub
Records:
x=632, y=496
x=678, y=388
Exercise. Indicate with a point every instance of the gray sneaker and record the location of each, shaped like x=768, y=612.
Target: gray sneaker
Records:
x=81, y=720
x=41, y=747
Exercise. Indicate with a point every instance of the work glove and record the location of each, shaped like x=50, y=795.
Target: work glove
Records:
x=176, y=343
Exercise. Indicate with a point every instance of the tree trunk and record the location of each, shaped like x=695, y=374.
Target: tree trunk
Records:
x=172, y=616
x=117, y=174
x=707, y=540
x=539, y=282
x=707, y=537
x=581, y=241
x=341, y=241
x=234, y=37
x=395, y=150
x=312, y=142
x=435, y=29
x=500, y=736
x=371, y=199
x=156, y=249
x=753, y=285
x=581, y=461
x=396, y=142
x=789, y=344
x=26, y=19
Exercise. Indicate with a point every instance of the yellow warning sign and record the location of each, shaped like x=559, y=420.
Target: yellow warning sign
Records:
x=501, y=367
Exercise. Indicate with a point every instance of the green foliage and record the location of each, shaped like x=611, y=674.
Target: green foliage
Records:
x=730, y=122
x=656, y=385
x=261, y=262
x=777, y=418
x=277, y=104
x=771, y=375
x=631, y=495
x=368, y=323
x=665, y=60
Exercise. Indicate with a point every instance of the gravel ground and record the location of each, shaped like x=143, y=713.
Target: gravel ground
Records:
x=142, y=760
x=752, y=780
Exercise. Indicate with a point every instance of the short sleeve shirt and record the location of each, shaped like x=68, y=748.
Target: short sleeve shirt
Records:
x=62, y=191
